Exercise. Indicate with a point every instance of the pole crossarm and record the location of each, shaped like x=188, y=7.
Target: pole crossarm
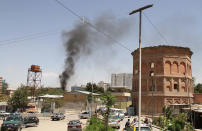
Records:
x=140, y=9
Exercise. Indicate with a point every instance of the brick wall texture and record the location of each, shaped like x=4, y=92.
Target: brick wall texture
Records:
x=198, y=98
x=172, y=80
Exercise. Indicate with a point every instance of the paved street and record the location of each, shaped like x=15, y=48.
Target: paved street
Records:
x=46, y=124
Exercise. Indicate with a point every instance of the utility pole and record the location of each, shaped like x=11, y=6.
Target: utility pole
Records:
x=152, y=77
x=140, y=62
x=92, y=101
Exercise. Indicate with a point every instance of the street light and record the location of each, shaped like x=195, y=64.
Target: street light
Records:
x=140, y=62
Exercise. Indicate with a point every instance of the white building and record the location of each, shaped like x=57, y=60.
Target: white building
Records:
x=122, y=80
x=103, y=85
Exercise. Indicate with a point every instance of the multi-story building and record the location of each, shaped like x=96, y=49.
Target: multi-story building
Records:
x=103, y=85
x=121, y=80
x=171, y=80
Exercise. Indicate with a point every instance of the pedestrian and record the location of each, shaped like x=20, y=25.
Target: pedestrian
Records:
x=134, y=121
x=127, y=125
x=146, y=121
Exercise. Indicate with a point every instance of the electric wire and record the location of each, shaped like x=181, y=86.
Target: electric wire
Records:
x=155, y=27
x=91, y=25
x=24, y=38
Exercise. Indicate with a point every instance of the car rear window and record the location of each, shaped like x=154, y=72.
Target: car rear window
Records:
x=74, y=122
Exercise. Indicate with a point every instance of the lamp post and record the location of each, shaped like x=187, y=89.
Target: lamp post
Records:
x=140, y=62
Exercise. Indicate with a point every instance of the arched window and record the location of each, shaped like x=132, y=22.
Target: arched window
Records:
x=174, y=68
x=167, y=67
x=182, y=68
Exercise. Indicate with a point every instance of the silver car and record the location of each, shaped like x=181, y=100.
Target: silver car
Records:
x=114, y=123
x=84, y=115
x=74, y=125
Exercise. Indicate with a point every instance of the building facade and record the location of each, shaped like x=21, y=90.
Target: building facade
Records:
x=122, y=80
x=104, y=85
x=171, y=79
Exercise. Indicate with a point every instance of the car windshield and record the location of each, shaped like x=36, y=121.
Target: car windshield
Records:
x=114, y=117
x=120, y=111
x=12, y=119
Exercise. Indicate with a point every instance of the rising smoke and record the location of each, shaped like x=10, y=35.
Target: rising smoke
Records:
x=83, y=40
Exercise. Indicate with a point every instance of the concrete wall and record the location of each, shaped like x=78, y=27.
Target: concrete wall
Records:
x=73, y=97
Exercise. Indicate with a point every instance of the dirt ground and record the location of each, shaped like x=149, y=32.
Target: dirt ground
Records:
x=45, y=124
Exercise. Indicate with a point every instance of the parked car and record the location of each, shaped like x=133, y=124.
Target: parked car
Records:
x=114, y=123
x=84, y=115
x=4, y=114
x=118, y=112
x=58, y=116
x=74, y=125
x=115, y=117
x=31, y=121
x=12, y=123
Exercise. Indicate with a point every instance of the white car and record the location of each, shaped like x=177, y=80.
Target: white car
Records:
x=4, y=114
x=117, y=112
x=84, y=115
x=114, y=123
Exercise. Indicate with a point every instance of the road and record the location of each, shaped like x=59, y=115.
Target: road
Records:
x=46, y=124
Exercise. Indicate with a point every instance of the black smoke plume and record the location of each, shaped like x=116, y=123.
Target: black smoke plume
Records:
x=82, y=40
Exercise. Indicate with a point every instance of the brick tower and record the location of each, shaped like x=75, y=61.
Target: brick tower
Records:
x=171, y=78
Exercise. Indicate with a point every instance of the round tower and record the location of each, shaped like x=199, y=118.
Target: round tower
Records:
x=166, y=78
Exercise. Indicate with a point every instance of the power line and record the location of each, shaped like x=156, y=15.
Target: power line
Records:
x=27, y=37
x=91, y=25
x=158, y=31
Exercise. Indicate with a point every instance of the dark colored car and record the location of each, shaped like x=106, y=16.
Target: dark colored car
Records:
x=74, y=125
x=12, y=123
x=58, y=116
x=31, y=121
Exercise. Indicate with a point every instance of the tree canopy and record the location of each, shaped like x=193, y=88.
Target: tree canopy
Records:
x=96, y=89
x=19, y=99
x=198, y=88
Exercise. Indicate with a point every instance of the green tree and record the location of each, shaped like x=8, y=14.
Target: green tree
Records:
x=50, y=91
x=19, y=99
x=97, y=125
x=96, y=89
x=173, y=123
x=198, y=88
x=4, y=87
x=108, y=100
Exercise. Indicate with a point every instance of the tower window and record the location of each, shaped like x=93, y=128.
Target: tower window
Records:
x=176, y=86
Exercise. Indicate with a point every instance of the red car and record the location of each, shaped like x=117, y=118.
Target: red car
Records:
x=74, y=125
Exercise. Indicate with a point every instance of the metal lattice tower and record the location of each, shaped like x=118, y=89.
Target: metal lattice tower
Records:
x=34, y=78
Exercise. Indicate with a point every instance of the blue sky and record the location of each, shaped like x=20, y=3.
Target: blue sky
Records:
x=179, y=21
